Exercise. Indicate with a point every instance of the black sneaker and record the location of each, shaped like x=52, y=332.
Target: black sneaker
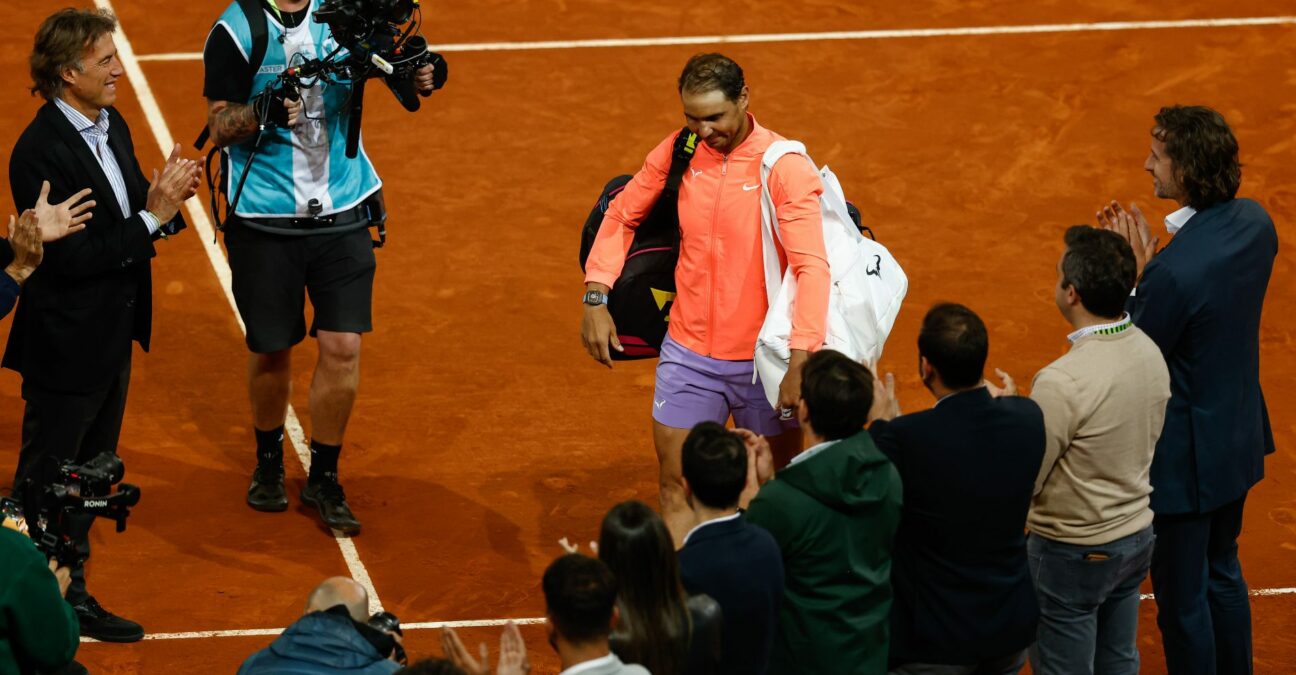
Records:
x=266, y=493
x=104, y=626
x=326, y=495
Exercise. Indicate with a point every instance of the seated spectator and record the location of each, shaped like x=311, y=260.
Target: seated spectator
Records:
x=512, y=654
x=330, y=638
x=660, y=627
x=726, y=557
x=1104, y=402
x=580, y=610
x=964, y=602
x=833, y=511
x=38, y=630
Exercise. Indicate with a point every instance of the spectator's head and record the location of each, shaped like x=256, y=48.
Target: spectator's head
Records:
x=1194, y=158
x=715, y=466
x=580, y=600
x=431, y=667
x=836, y=394
x=653, y=626
x=715, y=99
x=1095, y=274
x=74, y=58
x=343, y=591
x=952, y=348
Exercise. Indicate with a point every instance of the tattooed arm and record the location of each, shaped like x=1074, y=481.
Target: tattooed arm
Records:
x=230, y=123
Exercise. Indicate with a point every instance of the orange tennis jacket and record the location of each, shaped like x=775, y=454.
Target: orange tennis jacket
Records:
x=721, y=300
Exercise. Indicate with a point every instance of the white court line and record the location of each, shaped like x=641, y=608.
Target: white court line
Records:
x=831, y=35
x=485, y=623
x=204, y=231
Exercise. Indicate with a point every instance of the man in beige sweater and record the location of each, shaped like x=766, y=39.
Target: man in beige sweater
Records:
x=1104, y=402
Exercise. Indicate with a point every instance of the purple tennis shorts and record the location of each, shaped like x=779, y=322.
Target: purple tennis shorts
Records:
x=692, y=388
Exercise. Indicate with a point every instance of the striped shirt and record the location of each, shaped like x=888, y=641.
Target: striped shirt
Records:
x=95, y=134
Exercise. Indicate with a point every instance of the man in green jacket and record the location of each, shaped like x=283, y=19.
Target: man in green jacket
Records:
x=38, y=630
x=834, y=511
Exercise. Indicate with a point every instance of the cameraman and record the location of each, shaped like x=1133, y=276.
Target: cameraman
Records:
x=331, y=637
x=38, y=630
x=300, y=226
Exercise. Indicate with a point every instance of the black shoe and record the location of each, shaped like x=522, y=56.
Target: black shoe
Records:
x=266, y=493
x=72, y=668
x=326, y=495
x=102, y=625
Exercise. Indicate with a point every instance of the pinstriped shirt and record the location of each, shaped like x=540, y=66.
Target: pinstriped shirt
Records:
x=95, y=134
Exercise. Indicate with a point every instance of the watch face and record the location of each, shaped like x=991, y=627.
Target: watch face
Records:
x=593, y=298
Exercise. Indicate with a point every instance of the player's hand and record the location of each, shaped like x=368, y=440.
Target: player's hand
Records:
x=1007, y=388
x=25, y=240
x=1133, y=227
x=790, y=387
x=63, y=575
x=67, y=217
x=177, y=182
x=598, y=334
x=424, y=78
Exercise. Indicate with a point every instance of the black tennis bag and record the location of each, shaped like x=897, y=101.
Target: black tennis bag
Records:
x=641, y=299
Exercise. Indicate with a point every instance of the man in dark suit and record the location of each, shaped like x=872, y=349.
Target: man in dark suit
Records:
x=92, y=295
x=736, y=563
x=1200, y=300
x=964, y=601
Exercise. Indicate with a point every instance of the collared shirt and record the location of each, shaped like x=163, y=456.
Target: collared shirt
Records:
x=1102, y=329
x=1175, y=221
x=590, y=665
x=95, y=134
x=811, y=452
x=713, y=521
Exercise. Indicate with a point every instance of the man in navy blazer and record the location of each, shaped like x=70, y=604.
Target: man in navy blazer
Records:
x=963, y=590
x=735, y=562
x=1200, y=300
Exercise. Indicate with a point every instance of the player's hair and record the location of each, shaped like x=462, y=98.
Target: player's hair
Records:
x=837, y=392
x=707, y=72
x=715, y=465
x=1099, y=265
x=60, y=43
x=580, y=593
x=1203, y=151
x=954, y=341
x=653, y=630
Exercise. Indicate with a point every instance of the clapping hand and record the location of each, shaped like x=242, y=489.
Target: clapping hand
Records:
x=177, y=182
x=1008, y=388
x=1133, y=227
x=512, y=658
x=67, y=217
x=760, y=464
x=885, y=404
x=25, y=240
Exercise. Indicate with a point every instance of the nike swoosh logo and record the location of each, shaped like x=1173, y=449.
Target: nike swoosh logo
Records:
x=695, y=173
x=749, y=188
x=659, y=403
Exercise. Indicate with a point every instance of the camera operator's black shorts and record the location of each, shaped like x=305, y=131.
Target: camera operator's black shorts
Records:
x=274, y=272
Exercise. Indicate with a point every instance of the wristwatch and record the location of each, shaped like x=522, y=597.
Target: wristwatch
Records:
x=595, y=298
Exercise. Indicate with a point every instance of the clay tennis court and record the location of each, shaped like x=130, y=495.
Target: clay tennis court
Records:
x=483, y=433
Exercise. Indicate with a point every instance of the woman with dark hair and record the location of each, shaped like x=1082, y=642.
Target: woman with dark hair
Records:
x=660, y=628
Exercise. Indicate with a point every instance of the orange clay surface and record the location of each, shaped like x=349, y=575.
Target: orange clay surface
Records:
x=483, y=433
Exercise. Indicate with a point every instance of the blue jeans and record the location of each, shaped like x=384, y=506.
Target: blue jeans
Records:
x=1089, y=597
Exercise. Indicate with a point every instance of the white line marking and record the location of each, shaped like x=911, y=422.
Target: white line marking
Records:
x=203, y=226
x=832, y=35
x=486, y=623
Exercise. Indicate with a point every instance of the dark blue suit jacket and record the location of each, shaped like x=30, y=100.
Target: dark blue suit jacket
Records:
x=1200, y=299
x=963, y=590
x=739, y=565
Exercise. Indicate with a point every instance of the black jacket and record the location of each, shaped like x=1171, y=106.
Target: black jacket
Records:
x=92, y=294
x=1200, y=299
x=962, y=586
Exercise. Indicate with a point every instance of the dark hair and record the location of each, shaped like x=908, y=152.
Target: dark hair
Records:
x=955, y=342
x=1203, y=151
x=430, y=667
x=654, y=628
x=705, y=72
x=580, y=593
x=60, y=43
x=1099, y=265
x=715, y=465
x=838, y=393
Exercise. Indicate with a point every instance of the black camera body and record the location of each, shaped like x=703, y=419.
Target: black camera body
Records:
x=59, y=510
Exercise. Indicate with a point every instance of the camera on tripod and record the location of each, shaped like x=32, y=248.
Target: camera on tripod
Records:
x=57, y=512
